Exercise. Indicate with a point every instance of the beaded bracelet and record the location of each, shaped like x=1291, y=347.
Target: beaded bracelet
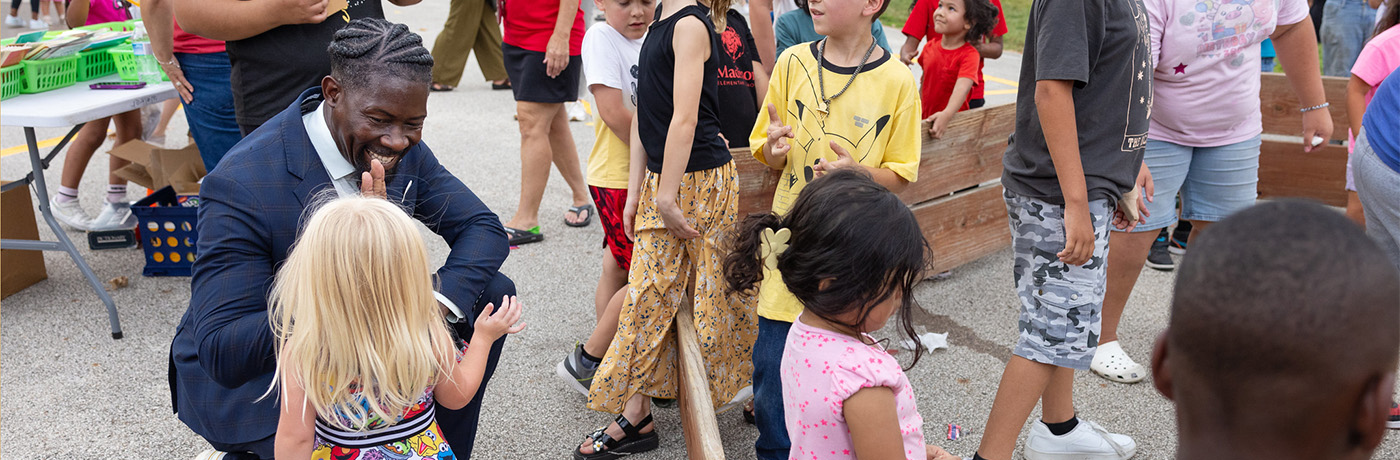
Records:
x=1315, y=107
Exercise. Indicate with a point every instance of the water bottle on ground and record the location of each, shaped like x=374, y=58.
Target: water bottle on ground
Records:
x=147, y=69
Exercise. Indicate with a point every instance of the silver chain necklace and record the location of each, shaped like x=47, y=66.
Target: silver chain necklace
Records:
x=821, y=80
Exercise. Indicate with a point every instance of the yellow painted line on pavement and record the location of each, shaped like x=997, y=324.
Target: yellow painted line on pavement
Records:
x=1000, y=92
x=46, y=143
x=999, y=80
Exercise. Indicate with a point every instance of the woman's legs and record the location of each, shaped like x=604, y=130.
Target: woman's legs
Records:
x=544, y=138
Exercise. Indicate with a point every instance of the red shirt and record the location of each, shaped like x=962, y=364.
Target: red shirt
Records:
x=189, y=43
x=920, y=26
x=942, y=69
x=529, y=24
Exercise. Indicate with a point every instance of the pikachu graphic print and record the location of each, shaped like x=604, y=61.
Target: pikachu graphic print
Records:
x=876, y=119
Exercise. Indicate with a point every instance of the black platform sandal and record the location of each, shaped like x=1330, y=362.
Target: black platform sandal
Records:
x=633, y=441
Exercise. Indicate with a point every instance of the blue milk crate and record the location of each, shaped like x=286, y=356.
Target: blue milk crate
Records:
x=168, y=235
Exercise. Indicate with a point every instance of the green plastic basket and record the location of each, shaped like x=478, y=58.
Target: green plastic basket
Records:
x=49, y=74
x=11, y=81
x=119, y=26
x=95, y=63
x=125, y=61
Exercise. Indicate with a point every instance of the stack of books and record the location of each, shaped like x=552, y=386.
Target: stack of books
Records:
x=71, y=42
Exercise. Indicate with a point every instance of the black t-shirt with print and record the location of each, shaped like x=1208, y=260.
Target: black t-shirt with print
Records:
x=1103, y=47
x=272, y=68
x=738, y=95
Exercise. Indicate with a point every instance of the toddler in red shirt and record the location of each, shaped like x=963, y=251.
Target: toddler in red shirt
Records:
x=951, y=64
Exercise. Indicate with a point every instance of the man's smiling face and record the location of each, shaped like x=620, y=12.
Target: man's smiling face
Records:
x=378, y=122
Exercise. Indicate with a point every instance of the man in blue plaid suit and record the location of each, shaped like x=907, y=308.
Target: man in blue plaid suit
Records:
x=366, y=116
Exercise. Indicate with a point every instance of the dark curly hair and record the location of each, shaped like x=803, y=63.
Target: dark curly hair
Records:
x=846, y=229
x=370, y=48
x=982, y=16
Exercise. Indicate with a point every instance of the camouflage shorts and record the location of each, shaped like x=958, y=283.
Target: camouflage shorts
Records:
x=1060, y=304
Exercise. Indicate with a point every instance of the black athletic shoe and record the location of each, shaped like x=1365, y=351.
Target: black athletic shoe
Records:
x=1158, y=258
x=1179, y=237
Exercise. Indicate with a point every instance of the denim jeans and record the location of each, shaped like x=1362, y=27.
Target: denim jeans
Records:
x=210, y=114
x=1346, y=24
x=773, y=442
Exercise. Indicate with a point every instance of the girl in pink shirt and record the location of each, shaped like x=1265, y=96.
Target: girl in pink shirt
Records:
x=1380, y=56
x=844, y=396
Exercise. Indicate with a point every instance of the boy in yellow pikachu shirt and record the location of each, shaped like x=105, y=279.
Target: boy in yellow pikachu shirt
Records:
x=839, y=102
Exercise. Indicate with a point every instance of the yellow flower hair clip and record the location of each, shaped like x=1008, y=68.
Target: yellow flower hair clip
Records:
x=773, y=243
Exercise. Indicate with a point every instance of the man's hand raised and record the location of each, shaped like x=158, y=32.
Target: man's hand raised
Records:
x=372, y=181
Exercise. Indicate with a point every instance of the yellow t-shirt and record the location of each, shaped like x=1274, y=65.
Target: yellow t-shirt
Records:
x=876, y=120
x=608, y=162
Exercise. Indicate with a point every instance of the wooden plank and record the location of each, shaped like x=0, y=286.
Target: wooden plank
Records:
x=1286, y=171
x=969, y=153
x=702, y=440
x=756, y=183
x=965, y=226
x=1280, y=105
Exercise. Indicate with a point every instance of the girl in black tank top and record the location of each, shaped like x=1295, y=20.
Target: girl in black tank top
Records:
x=680, y=207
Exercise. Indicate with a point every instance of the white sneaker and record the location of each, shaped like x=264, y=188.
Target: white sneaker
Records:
x=1111, y=362
x=13, y=21
x=114, y=216
x=211, y=454
x=1088, y=441
x=37, y=25
x=71, y=214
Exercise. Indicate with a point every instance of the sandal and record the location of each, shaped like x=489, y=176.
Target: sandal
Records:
x=441, y=87
x=1111, y=362
x=633, y=441
x=579, y=210
x=498, y=87
x=519, y=237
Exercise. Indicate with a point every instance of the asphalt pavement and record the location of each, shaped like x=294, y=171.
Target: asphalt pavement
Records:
x=67, y=390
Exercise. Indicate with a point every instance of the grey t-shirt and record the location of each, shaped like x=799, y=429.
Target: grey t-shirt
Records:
x=1103, y=47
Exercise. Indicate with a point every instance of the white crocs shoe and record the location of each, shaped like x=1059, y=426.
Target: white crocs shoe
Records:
x=13, y=21
x=71, y=214
x=1111, y=362
x=1088, y=441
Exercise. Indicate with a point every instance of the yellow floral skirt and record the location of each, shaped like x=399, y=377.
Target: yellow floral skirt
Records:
x=643, y=355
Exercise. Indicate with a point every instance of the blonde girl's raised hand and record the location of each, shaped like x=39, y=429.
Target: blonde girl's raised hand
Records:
x=457, y=387
x=496, y=322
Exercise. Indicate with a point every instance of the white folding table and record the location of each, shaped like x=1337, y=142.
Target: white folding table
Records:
x=71, y=106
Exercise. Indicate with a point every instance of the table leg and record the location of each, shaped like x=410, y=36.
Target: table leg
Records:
x=64, y=243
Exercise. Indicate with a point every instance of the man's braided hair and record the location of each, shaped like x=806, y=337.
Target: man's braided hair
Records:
x=371, y=48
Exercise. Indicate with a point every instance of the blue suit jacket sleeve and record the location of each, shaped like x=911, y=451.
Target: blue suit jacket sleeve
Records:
x=478, y=241
x=230, y=285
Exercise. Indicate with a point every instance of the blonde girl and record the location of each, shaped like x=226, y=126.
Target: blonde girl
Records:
x=363, y=350
x=682, y=198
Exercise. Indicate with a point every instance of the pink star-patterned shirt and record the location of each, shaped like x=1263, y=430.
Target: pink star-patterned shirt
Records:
x=820, y=370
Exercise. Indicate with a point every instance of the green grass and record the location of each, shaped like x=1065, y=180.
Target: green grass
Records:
x=1017, y=13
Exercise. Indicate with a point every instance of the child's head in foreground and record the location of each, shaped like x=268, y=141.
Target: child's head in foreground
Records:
x=1283, y=337
x=628, y=17
x=843, y=17
x=853, y=254
x=353, y=310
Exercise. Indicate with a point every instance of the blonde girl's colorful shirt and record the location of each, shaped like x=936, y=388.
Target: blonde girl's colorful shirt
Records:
x=821, y=369
x=876, y=120
x=610, y=59
x=1206, y=76
x=413, y=435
